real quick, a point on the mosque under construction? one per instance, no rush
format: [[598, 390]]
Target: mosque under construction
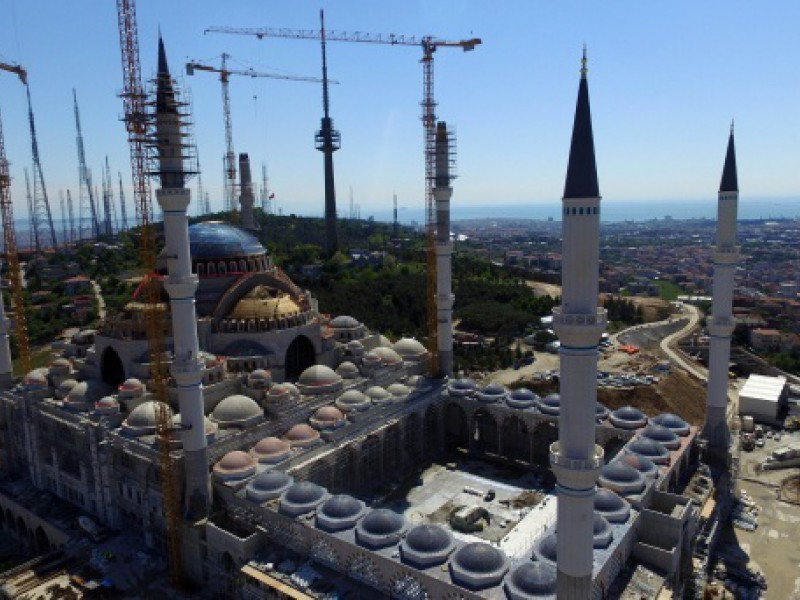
[[313, 441]]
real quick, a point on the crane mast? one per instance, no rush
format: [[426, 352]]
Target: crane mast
[[136, 121], [122, 209], [42, 215], [72, 236], [33, 231], [10, 243], [429, 45], [85, 190]]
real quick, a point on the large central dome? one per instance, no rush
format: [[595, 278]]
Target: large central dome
[[215, 239]]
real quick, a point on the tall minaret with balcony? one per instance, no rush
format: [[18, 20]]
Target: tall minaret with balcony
[[181, 285], [576, 459], [720, 323], [442, 192]]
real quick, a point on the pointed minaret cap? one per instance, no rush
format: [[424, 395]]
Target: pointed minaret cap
[[163, 67], [730, 182], [582, 171]]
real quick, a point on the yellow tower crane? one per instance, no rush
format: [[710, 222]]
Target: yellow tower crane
[[429, 45], [10, 242], [224, 77]]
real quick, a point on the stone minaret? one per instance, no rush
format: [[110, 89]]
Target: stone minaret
[[5, 348], [181, 285], [246, 196], [442, 192], [720, 324], [578, 322]]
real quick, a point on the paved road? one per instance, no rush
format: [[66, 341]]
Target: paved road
[[677, 356]]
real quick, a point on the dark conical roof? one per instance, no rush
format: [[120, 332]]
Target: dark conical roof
[[163, 67], [582, 170], [730, 182]]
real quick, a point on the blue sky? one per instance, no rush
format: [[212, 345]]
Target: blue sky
[[665, 80]]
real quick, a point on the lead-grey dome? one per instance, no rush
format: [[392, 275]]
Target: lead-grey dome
[[628, 417], [672, 422], [551, 404], [547, 548], [619, 472], [302, 497], [607, 501], [522, 398], [267, 485], [531, 579], [479, 557], [215, 239], [427, 545], [601, 531], [600, 412], [236, 410], [353, 401], [380, 528], [650, 448], [344, 322], [666, 437], [641, 463], [341, 506]]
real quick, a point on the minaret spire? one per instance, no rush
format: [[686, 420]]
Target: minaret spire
[[729, 182], [578, 322]]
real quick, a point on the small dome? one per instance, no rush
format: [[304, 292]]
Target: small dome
[[271, 450], [522, 398], [491, 393], [268, 485], [383, 521], [301, 435], [281, 392], [235, 465], [618, 471], [601, 531], [78, 391], [648, 447], [551, 405], [666, 437], [531, 579], [347, 370], [672, 422], [319, 379], [260, 375], [378, 395], [600, 412], [607, 501], [60, 367], [236, 410], [628, 417], [552, 400], [428, 538], [107, 405], [398, 390], [341, 506], [353, 401], [344, 322], [388, 356], [65, 387], [409, 349], [327, 417], [131, 384], [354, 345], [547, 548], [143, 417], [37, 378], [463, 384], [479, 557], [371, 359], [641, 463], [302, 497]]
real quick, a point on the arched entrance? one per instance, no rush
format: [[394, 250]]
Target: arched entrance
[[111, 369], [299, 356], [456, 432], [485, 433], [516, 444]]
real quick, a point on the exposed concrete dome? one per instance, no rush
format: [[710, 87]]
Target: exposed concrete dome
[[339, 512], [64, 388], [235, 465], [461, 387], [319, 379], [327, 417], [237, 411], [611, 506], [353, 401], [301, 498], [259, 378], [427, 545], [494, 392], [354, 345], [347, 370], [344, 322], [672, 422], [600, 412], [410, 349], [628, 417], [478, 565], [649, 448], [130, 388], [601, 531], [37, 378], [271, 450], [388, 357], [531, 579], [666, 437], [622, 478], [378, 395], [60, 367], [281, 392], [142, 419], [398, 391], [107, 405], [551, 405], [380, 528], [547, 548], [301, 435], [522, 398], [268, 485], [641, 463], [371, 359]]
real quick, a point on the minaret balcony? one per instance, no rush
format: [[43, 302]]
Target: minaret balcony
[[186, 370], [181, 287], [576, 473], [579, 330]]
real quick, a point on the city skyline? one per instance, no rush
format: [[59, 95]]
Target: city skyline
[[662, 100]]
